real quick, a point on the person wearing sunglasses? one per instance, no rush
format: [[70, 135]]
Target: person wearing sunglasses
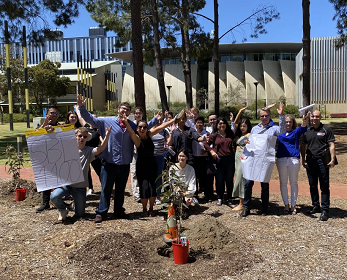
[[267, 127], [78, 190], [146, 164]]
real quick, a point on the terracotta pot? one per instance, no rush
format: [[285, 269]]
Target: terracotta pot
[[19, 194], [180, 252]]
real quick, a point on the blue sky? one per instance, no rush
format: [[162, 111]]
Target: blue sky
[[287, 29]]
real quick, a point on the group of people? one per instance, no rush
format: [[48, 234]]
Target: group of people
[[201, 155]]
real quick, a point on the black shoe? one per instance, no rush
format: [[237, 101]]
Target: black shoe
[[120, 215], [245, 212], [42, 207], [314, 210], [324, 216]]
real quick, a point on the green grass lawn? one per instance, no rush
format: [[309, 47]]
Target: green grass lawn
[[8, 137]]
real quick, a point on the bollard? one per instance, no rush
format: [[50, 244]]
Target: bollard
[[19, 145]]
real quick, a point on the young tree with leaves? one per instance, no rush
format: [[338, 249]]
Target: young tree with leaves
[[45, 84]]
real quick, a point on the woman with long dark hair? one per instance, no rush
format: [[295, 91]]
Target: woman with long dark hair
[[146, 165], [72, 118], [220, 146], [242, 133]]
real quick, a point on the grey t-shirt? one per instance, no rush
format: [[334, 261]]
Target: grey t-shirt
[[87, 155]]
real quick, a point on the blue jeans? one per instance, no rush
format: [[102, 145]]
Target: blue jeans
[[225, 176], [79, 197], [160, 165], [112, 174], [265, 193], [316, 170]]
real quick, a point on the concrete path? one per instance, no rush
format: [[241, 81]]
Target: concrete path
[[336, 190]]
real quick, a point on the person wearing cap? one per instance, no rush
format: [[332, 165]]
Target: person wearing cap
[[78, 190]]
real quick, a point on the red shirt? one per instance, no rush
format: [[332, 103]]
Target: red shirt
[[222, 145]]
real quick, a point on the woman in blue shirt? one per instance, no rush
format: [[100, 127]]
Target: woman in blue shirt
[[288, 160]]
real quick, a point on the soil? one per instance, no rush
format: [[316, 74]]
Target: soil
[[222, 245]]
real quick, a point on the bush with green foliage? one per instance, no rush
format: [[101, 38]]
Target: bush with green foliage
[[18, 117]]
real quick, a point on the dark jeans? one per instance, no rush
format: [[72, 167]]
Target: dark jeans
[[96, 163], [200, 167], [316, 170], [225, 176], [117, 175], [264, 195], [46, 196], [208, 191]]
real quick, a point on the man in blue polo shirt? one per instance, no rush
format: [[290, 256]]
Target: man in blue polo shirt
[[116, 158]]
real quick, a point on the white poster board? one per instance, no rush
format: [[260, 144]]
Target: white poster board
[[259, 158], [55, 159]]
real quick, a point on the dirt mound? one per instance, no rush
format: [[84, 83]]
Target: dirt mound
[[209, 234], [110, 255], [32, 198]]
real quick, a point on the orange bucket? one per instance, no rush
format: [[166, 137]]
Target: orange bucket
[[180, 253], [19, 194]]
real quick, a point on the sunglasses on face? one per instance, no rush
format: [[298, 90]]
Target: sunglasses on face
[[54, 113], [264, 116], [80, 136], [142, 127]]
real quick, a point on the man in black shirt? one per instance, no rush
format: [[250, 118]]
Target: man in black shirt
[[318, 144]]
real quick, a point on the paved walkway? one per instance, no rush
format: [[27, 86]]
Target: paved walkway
[[336, 190]]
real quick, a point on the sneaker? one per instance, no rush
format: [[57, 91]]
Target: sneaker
[[219, 202], [90, 192], [62, 215], [98, 219], [42, 207], [157, 201]]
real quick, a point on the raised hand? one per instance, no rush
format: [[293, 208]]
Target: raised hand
[[159, 116], [108, 131], [280, 109], [80, 101]]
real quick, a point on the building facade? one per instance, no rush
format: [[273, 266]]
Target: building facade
[[328, 77]]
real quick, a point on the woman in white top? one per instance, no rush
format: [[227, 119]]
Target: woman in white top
[[187, 174]]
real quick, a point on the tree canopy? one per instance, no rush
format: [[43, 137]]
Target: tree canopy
[[341, 18], [34, 15], [45, 84]]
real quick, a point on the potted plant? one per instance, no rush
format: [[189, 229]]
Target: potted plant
[[174, 192], [15, 163]]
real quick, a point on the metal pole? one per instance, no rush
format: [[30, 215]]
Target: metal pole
[[26, 85], [9, 88], [168, 94], [256, 99], [19, 145]]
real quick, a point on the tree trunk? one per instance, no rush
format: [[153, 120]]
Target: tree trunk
[[158, 59], [216, 58], [136, 40], [185, 56], [306, 43]]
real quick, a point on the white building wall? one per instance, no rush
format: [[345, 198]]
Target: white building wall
[[274, 87], [173, 76]]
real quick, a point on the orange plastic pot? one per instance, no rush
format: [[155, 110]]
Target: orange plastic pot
[[180, 252], [19, 194]]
